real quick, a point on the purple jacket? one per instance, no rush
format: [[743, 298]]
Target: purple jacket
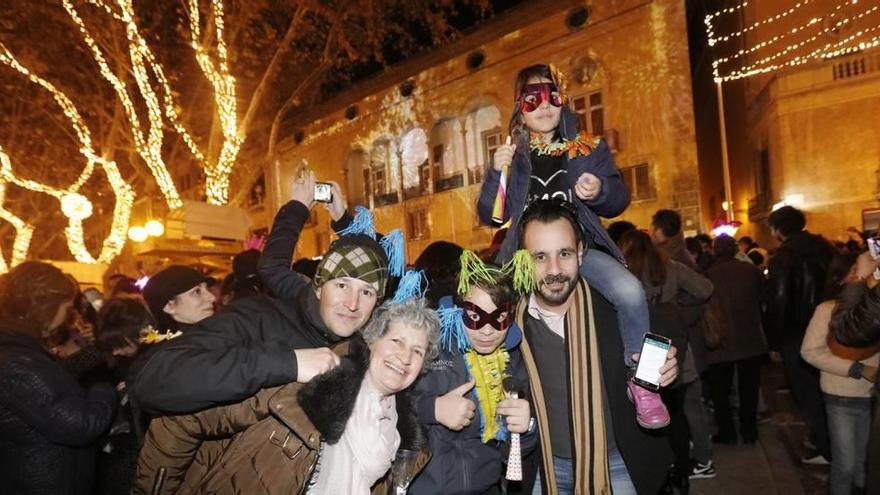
[[612, 200]]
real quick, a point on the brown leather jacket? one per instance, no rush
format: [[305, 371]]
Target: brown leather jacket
[[268, 443]]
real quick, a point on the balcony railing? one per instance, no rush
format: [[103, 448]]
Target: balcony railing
[[452, 182]]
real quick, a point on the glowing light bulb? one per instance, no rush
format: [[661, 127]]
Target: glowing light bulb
[[154, 228], [137, 233]]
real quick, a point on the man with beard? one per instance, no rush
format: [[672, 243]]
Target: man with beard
[[590, 441]]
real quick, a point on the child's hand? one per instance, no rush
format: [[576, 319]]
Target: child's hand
[[588, 187], [516, 413], [503, 155], [453, 410]]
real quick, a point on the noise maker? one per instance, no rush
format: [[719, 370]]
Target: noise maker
[[514, 460], [498, 207]]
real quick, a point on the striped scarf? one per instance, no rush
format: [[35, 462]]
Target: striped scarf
[[590, 458]]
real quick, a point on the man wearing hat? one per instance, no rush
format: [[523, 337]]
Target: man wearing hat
[[264, 341], [178, 297]]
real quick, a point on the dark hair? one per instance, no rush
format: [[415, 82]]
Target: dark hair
[[756, 257], [548, 211], [748, 241], [306, 266], [787, 220], [124, 285], [642, 258], [856, 318], [724, 247], [618, 228], [522, 77], [838, 269], [440, 263], [668, 221], [500, 290], [120, 322], [32, 293], [703, 239], [693, 246]]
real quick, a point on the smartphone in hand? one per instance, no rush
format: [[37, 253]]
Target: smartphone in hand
[[653, 356]]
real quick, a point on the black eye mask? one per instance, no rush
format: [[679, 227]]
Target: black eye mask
[[483, 318]]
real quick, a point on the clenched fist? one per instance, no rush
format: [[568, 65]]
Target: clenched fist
[[453, 410], [312, 362], [503, 155]]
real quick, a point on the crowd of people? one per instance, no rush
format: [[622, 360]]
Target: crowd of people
[[511, 370]]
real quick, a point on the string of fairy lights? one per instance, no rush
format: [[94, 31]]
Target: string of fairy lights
[[74, 205], [809, 49], [161, 112]]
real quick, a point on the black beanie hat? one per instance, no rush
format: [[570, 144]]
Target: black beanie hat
[[167, 284]]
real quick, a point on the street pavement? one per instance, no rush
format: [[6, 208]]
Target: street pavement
[[772, 464]]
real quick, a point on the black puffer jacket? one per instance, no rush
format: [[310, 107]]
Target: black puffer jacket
[[248, 345], [48, 423], [797, 273]]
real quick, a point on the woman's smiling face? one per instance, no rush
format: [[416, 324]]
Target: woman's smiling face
[[396, 359]]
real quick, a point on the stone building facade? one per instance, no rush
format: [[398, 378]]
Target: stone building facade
[[413, 143]]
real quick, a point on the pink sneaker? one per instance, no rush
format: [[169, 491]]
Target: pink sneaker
[[651, 413]]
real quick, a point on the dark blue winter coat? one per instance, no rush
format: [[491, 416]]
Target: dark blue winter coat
[[612, 200], [460, 462], [49, 424]]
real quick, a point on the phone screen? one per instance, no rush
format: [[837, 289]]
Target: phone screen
[[651, 359]]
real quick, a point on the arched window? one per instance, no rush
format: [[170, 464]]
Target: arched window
[[483, 137], [414, 161]]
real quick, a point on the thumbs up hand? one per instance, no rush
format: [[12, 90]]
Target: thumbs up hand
[[453, 410]]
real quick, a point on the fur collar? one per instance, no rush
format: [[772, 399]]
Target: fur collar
[[328, 400]]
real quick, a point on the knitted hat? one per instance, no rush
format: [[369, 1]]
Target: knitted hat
[[167, 284], [357, 256]]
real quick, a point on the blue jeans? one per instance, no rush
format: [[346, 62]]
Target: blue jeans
[[849, 424], [625, 292], [621, 484]]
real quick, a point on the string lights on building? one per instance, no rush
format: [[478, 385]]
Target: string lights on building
[[827, 24]]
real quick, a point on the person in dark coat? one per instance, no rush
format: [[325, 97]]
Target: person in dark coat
[[262, 341], [49, 424], [738, 287], [797, 276], [588, 436]]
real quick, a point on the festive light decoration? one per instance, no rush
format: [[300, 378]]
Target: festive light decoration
[[138, 233], [791, 55], [154, 228], [143, 64], [23, 232], [76, 206], [709, 29]]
